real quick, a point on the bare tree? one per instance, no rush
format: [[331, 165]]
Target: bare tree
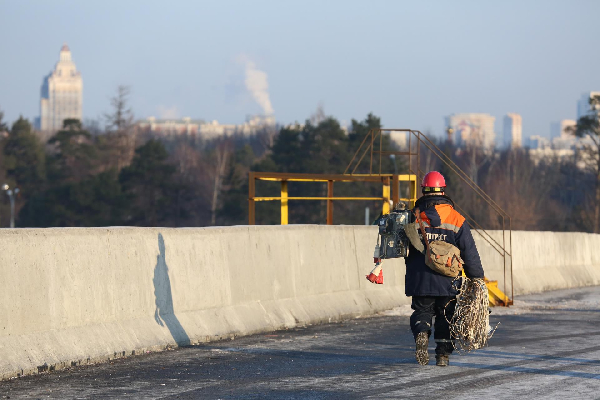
[[3, 126], [523, 189], [588, 127], [121, 118], [187, 159], [190, 170], [478, 157], [265, 138], [218, 169], [319, 115], [120, 128]]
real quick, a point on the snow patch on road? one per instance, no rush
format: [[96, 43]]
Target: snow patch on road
[[401, 311]]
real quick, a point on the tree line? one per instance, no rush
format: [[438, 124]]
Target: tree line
[[85, 177]]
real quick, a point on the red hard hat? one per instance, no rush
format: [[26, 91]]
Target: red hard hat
[[433, 179]]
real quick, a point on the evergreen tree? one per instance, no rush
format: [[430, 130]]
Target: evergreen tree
[[149, 187], [234, 209], [95, 201], [73, 154], [24, 158]]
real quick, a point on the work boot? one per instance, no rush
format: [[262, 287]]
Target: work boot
[[442, 360], [421, 353]]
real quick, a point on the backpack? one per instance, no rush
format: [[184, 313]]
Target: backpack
[[442, 257]]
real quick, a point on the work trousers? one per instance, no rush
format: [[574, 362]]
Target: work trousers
[[425, 309]]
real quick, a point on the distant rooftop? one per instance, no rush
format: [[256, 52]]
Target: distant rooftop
[[172, 120], [65, 47]]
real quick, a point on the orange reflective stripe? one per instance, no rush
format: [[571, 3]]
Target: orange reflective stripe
[[425, 219], [444, 211], [450, 218], [449, 215]]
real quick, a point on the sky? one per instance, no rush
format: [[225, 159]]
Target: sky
[[409, 62]]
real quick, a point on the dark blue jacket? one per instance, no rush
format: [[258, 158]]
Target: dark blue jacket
[[442, 222]]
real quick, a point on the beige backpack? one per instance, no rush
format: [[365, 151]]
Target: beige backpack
[[440, 256]]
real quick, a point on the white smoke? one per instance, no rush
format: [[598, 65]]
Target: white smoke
[[165, 112], [257, 84]]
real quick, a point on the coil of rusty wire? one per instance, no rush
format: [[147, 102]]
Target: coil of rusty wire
[[469, 325]]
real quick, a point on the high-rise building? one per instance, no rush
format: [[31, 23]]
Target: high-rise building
[[473, 129], [560, 129], [583, 105], [61, 94], [513, 131], [561, 134]]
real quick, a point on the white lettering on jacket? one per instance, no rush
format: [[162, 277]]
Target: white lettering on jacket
[[436, 236]]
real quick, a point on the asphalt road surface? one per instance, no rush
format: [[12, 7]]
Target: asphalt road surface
[[547, 346]]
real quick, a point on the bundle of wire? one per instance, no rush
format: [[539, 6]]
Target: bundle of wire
[[469, 325]]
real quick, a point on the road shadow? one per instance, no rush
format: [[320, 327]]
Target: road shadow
[[164, 313]]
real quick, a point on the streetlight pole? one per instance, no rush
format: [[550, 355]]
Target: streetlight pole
[[11, 196]]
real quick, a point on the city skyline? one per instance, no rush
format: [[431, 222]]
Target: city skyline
[[61, 98], [441, 59]]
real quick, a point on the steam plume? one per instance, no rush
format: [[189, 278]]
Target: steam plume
[[165, 112], [257, 84]]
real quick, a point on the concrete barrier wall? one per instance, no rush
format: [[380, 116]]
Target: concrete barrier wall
[[85, 295], [544, 260], [73, 296]]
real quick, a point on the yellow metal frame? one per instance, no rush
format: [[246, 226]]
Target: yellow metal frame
[[390, 190], [497, 296]]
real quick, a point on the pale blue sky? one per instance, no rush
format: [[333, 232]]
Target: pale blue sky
[[410, 62]]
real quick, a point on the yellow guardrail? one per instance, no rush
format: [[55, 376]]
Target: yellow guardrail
[[390, 190]]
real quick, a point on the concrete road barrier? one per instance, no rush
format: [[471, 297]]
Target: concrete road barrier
[[72, 296], [543, 261]]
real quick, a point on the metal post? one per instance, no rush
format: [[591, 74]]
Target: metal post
[[410, 135], [329, 203], [504, 253], [512, 292], [380, 148], [371, 162], [418, 155], [11, 196], [396, 189], [251, 202], [367, 217], [413, 191], [386, 195], [284, 203]]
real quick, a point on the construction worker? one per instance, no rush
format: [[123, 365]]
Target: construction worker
[[433, 294]]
